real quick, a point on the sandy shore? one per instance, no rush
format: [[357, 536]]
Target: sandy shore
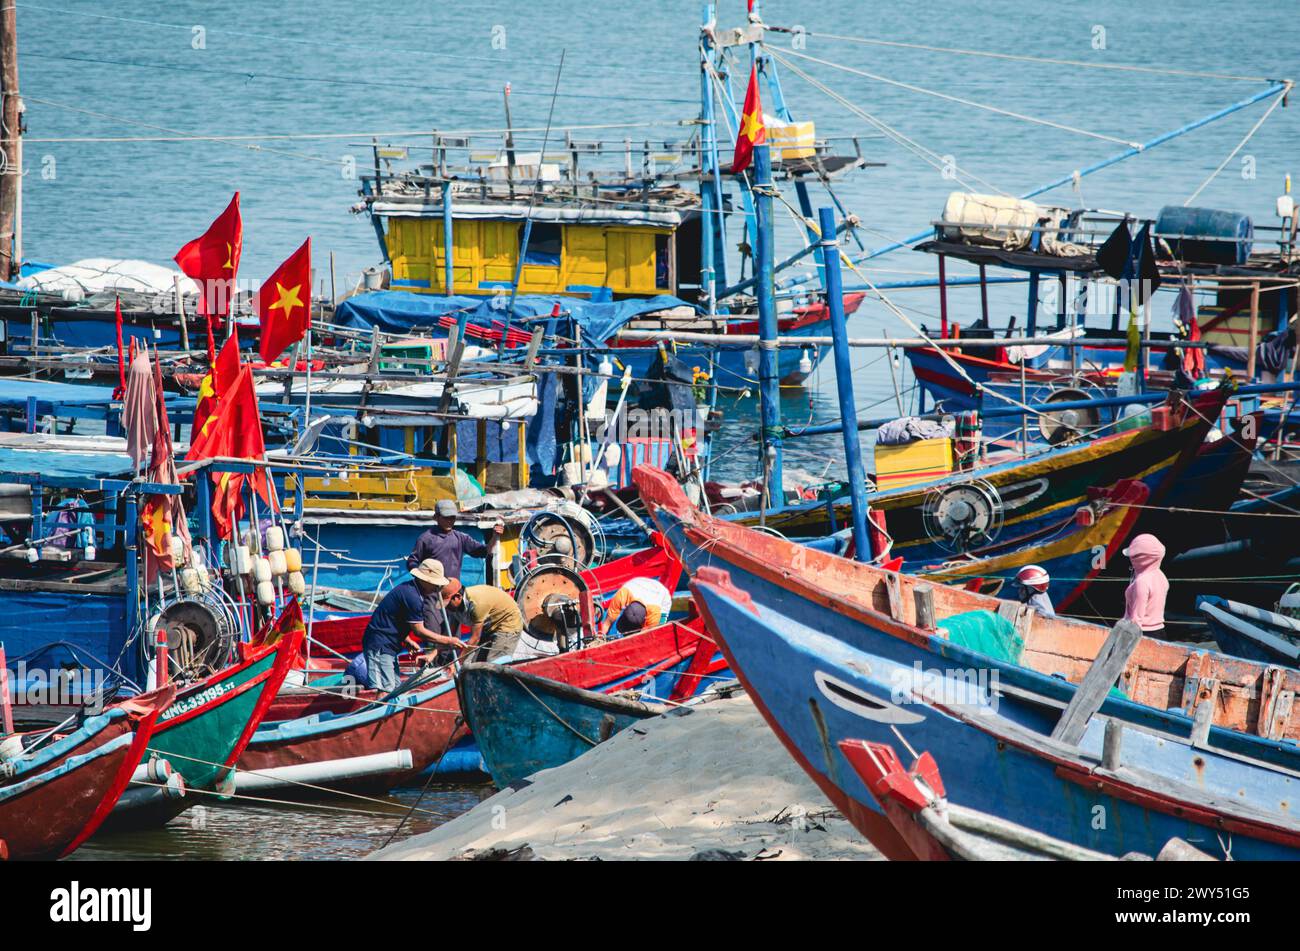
[[713, 781]]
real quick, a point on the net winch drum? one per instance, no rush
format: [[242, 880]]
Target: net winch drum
[[1062, 426], [200, 637], [963, 516], [566, 534], [557, 602]]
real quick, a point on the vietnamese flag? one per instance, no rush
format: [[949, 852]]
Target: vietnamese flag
[[220, 378], [212, 259], [752, 131], [236, 432], [284, 304]]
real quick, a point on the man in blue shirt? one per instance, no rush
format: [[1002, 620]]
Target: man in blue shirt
[[399, 614], [446, 543]]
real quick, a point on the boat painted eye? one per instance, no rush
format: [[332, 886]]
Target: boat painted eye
[[1022, 493], [860, 703]]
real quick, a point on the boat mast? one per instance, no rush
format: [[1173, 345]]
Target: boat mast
[[11, 175]]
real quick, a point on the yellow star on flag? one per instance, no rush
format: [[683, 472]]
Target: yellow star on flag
[[287, 298], [753, 126]]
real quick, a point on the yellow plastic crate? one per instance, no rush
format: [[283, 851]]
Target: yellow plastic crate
[[920, 461], [792, 140]]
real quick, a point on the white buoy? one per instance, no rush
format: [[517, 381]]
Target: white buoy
[[241, 560], [276, 560], [274, 538], [252, 540], [297, 583], [805, 364], [190, 581], [261, 569], [265, 593]]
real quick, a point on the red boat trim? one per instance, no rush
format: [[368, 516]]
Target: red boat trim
[[160, 699], [876, 827]]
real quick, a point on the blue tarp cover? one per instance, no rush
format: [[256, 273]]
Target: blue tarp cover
[[56, 462], [399, 311]]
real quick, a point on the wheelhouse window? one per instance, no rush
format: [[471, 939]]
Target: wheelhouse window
[[545, 244]]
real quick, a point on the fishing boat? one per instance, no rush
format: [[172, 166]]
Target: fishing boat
[[55, 793], [376, 742], [842, 650], [525, 721], [1244, 630], [935, 830], [1073, 552], [1151, 781], [1007, 490], [203, 732]]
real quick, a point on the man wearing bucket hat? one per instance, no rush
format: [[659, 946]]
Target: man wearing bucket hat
[[398, 615]]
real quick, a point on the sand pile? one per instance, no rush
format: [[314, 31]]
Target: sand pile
[[713, 783]]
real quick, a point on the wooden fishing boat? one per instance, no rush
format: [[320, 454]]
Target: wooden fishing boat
[[1018, 755], [1244, 630], [523, 721], [376, 743], [1026, 493], [935, 830], [811, 626], [54, 797], [1074, 551], [206, 728]]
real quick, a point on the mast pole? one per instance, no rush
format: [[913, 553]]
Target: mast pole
[[768, 373], [11, 171], [844, 385]]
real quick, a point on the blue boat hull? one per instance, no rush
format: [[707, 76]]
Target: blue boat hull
[[836, 679]]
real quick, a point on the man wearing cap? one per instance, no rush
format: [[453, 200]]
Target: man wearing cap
[[447, 543], [641, 603], [398, 615], [495, 621]]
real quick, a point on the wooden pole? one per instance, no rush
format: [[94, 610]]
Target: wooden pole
[[1254, 331], [11, 181]]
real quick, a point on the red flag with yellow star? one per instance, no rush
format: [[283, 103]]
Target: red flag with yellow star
[[284, 303], [236, 432], [212, 259], [752, 131], [221, 376]]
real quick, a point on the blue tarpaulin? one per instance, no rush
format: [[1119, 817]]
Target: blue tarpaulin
[[401, 311]]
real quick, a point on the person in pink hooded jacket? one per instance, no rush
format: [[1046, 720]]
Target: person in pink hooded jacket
[[1144, 599]]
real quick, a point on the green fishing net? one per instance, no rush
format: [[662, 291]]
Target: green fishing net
[[987, 633]]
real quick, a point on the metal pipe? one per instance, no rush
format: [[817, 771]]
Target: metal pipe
[[844, 388], [964, 343]]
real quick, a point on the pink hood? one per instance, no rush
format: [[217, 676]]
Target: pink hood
[[1144, 599], [1145, 552]]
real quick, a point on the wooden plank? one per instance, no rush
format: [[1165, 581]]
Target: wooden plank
[[894, 589], [1112, 744], [1270, 687], [923, 595], [1091, 693], [1203, 719]]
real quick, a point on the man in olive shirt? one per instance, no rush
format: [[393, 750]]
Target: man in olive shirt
[[495, 621]]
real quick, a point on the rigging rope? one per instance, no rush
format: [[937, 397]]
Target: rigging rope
[[964, 102]]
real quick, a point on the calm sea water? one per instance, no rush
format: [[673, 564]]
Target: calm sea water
[[309, 84], [334, 828]]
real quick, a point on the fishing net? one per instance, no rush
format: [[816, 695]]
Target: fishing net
[[986, 633]]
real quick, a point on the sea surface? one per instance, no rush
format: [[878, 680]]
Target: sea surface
[[143, 118]]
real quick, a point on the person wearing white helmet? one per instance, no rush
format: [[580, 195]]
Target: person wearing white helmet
[[1034, 581]]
